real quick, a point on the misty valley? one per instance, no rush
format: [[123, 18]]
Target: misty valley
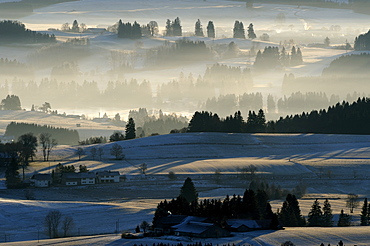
[[187, 122]]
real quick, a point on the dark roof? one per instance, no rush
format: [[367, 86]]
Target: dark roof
[[193, 227], [172, 219], [79, 175], [108, 173], [236, 223], [42, 176]]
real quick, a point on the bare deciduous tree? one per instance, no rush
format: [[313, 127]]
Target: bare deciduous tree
[[117, 151], [352, 202], [80, 151], [52, 222], [67, 225]]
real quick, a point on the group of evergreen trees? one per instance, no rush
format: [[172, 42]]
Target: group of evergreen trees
[[62, 135], [239, 31], [11, 102], [208, 122], [318, 217], [15, 31], [128, 30], [173, 28], [251, 206], [343, 118], [271, 57]]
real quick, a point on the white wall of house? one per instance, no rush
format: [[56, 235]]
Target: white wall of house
[[88, 181]]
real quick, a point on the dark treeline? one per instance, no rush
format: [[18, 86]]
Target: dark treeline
[[183, 51], [14, 31], [343, 118], [62, 135]]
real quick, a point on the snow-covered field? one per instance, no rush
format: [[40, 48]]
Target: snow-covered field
[[286, 159]]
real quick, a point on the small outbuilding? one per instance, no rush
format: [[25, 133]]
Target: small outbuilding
[[196, 227], [240, 225]]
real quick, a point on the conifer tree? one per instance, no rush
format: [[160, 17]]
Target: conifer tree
[[365, 214], [188, 191], [176, 27], [75, 27], [130, 129], [315, 215], [249, 205], [290, 213], [211, 30], [327, 218], [344, 219], [251, 34], [169, 31], [198, 29]]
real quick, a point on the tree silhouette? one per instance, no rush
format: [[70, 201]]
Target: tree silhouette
[[188, 191]]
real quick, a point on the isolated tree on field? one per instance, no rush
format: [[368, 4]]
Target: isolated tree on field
[[28, 144], [352, 202], [327, 217], [130, 129], [83, 27], [290, 213], [365, 214], [153, 28], [94, 152], [315, 214], [52, 223], [344, 219], [198, 29], [188, 191], [75, 27], [143, 167], [47, 144], [80, 151], [169, 31], [117, 151], [251, 33], [67, 225], [45, 107], [12, 178], [65, 27], [211, 30], [100, 153], [176, 27]]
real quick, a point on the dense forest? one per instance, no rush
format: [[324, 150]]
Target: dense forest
[[16, 32], [62, 135], [342, 118]]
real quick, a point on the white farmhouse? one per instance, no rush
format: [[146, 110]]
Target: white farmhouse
[[108, 176], [41, 180]]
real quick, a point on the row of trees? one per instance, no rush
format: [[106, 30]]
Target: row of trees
[[348, 119], [62, 135], [239, 32], [208, 122]]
